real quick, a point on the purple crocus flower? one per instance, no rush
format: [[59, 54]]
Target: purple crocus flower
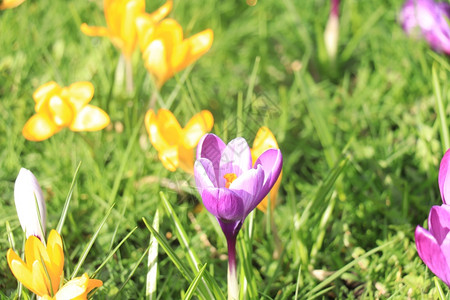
[[433, 245], [428, 19], [231, 187], [444, 177]]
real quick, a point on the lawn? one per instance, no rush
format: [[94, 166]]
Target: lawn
[[361, 139]]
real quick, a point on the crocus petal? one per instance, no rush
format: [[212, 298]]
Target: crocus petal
[[439, 222], [38, 128], [271, 162], [169, 158], [79, 94], [236, 158], [30, 204], [198, 45], [56, 254], [273, 194], [429, 19], [23, 273], [128, 30], [161, 12], [211, 147], [444, 183], [94, 30], [264, 140], [78, 288], [205, 177], [10, 4], [61, 112], [186, 159], [431, 254], [223, 203], [197, 126], [247, 186], [90, 118]]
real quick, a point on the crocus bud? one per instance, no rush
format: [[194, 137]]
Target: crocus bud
[[331, 34], [30, 204]]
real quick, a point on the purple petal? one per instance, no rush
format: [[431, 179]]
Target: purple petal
[[236, 158], [429, 19], [439, 222], [211, 147], [431, 254], [248, 186], [271, 161], [204, 174], [223, 203], [444, 184]]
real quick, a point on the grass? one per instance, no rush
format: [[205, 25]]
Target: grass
[[361, 141]]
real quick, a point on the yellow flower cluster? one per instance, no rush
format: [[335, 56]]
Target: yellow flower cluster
[[42, 270], [164, 49]]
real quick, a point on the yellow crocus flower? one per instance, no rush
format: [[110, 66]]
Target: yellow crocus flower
[[76, 289], [265, 140], [120, 18], [5, 4], [58, 107], [165, 51], [175, 145], [42, 270]]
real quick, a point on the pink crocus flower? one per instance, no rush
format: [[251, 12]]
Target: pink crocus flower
[[433, 245], [427, 19], [231, 187]]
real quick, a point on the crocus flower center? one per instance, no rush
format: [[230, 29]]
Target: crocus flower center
[[229, 177]]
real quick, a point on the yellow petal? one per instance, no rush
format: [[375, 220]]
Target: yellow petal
[[79, 94], [264, 140], [94, 30], [145, 28], [161, 12], [198, 125], [44, 93], [10, 4], [186, 159], [199, 44], [151, 124], [61, 111], [273, 194], [169, 127], [90, 118], [38, 128], [169, 158], [167, 36], [23, 273], [128, 29], [55, 252]]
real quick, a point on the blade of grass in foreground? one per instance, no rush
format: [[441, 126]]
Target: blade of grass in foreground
[[194, 283], [134, 269], [439, 288], [91, 242], [112, 253], [152, 264], [320, 288], [68, 198], [440, 109], [194, 262]]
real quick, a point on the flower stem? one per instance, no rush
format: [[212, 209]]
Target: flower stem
[[129, 75], [233, 287]]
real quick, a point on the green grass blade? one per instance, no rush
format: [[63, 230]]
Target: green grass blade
[[316, 291], [89, 245], [68, 198], [152, 265], [439, 288], [194, 283], [112, 253], [184, 270], [134, 270], [124, 160], [440, 109], [194, 262]]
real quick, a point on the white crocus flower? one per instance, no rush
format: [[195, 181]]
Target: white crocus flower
[[30, 204]]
